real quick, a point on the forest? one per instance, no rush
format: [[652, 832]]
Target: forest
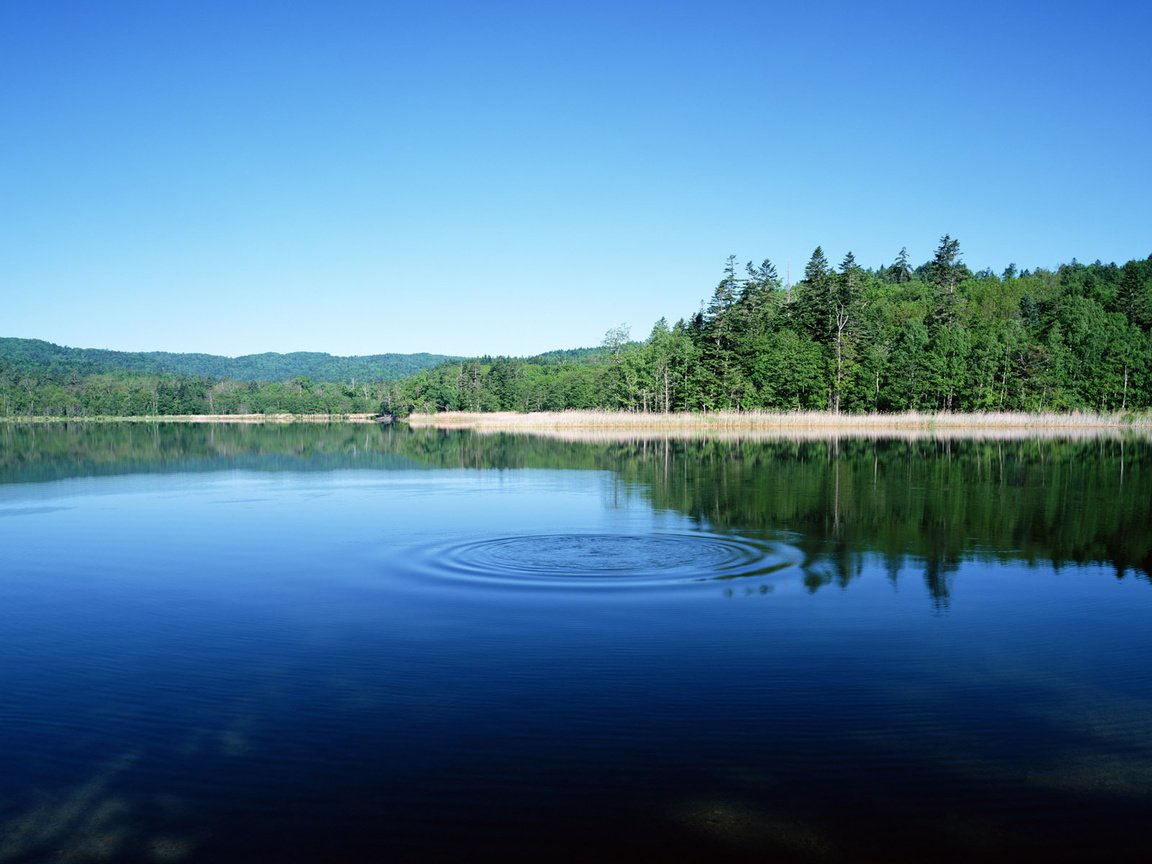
[[38, 378], [935, 337], [250, 367], [844, 339]]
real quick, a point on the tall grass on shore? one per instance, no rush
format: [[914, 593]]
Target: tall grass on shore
[[607, 425]]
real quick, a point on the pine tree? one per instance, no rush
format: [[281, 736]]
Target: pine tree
[[758, 299], [717, 315], [812, 301], [720, 330], [1134, 297], [945, 273], [900, 271], [817, 268]]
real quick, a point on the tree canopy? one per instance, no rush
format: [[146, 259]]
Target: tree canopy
[[853, 339], [936, 337]]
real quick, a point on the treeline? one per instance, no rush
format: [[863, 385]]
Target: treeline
[[41, 379], [34, 392], [40, 384], [60, 360], [935, 337]]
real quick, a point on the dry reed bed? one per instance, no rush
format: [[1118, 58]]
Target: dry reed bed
[[579, 425], [624, 436]]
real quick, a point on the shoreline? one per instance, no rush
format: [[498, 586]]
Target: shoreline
[[251, 419], [623, 427], [506, 421]]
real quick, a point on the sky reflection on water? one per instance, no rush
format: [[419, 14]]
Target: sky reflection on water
[[403, 659]]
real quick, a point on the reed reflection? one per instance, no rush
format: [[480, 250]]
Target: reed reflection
[[924, 503]]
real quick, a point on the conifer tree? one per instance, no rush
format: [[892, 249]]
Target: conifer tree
[[812, 302], [900, 271], [945, 273]]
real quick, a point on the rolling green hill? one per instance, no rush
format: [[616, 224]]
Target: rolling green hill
[[253, 367]]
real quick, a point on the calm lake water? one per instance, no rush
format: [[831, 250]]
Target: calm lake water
[[306, 643]]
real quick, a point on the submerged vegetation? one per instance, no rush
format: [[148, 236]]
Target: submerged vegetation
[[846, 340]]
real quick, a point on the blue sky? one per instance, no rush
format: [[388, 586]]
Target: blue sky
[[503, 177]]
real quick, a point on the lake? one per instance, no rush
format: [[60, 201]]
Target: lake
[[305, 643]]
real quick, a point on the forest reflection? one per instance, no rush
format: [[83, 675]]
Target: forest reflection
[[922, 503]]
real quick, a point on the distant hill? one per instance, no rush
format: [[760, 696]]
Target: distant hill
[[568, 355], [252, 367]]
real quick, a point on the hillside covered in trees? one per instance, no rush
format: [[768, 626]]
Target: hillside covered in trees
[[251, 367], [933, 337], [38, 378]]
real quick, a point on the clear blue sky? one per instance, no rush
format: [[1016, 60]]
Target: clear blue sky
[[462, 177]]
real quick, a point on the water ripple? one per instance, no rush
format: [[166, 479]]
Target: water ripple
[[604, 560]]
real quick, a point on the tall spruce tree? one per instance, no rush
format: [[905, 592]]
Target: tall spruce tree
[[759, 298], [900, 271], [812, 301], [945, 273]]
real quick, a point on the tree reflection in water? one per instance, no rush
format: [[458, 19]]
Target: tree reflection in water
[[924, 503]]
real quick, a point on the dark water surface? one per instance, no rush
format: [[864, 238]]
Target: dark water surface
[[229, 644]]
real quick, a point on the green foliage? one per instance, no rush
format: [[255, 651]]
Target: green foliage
[[253, 367], [931, 338], [900, 271], [28, 391], [41, 379]]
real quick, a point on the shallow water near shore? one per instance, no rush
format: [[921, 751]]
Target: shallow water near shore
[[352, 643]]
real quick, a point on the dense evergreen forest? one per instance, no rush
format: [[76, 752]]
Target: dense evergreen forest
[[933, 337]]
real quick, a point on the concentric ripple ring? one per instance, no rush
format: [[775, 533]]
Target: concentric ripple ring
[[608, 559]]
